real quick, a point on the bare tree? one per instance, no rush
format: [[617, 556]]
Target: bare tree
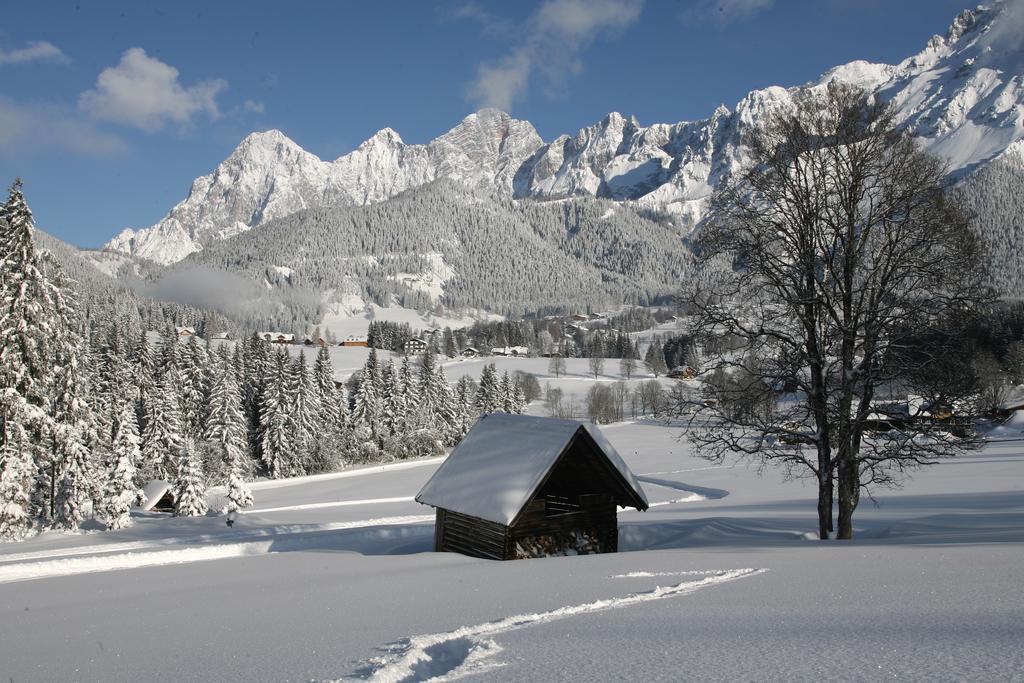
[[601, 408], [596, 364], [553, 402], [556, 365], [627, 366], [826, 257], [994, 384], [652, 397]]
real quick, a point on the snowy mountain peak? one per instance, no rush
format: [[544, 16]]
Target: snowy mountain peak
[[962, 95], [386, 137], [264, 145]]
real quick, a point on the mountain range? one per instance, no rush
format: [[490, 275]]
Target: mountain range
[[962, 95]]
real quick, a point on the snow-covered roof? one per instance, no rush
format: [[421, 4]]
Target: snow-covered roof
[[1015, 401], [154, 491], [496, 470], [510, 351], [287, 336]]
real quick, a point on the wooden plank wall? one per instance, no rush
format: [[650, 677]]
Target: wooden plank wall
[[470, 536]]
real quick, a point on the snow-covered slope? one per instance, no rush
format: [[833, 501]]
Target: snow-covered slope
[[963, 95]]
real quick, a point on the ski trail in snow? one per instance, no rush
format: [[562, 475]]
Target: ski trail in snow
[[452, 654], [333, 504], [690, 469], [69, 561], [265, 484], [646, 575]]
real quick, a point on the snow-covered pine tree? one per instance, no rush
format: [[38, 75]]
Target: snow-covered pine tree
[[445, 411], [226, 430], [465, 413], [194, 363], [518, 395], [77, 475], [239, 495], [121, 491], [17, 475], [654, 359], [429, 396], [26, 366], [162, 437], [449, 343], [327, 405], [508, 394], [274, 432], [366, 402], [408, 386], [302, 415], [392, 401], [190, 483], [257, 362], [488, 395], [225, 426], [144, 372]]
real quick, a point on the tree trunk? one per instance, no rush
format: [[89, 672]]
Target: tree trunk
[[849, 493], [824, 504]]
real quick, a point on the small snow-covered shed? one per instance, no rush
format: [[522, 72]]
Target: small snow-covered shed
[[519, 486], [158, 495]]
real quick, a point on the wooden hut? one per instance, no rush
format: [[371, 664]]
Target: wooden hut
[[520, 486]]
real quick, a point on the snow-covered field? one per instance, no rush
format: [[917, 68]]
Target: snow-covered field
[[325, 570], [333, 577]]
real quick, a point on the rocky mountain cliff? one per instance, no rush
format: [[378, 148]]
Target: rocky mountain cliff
[[963, 95]]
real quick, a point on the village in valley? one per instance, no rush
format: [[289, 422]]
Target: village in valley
[[736, 398]]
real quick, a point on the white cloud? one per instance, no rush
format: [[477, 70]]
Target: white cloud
[[724, 12], [253, 107], [555, 35], [1007, 32], [38, 51], [32, 127], [143, 92]]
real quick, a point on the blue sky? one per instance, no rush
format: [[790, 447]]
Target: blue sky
[[109, 110]]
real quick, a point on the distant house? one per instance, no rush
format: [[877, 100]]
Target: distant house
[[580, 317], [314, 341], [682, 372], [888, 415], [519, 487], [415, 346], [470, 352], [184, 332], [355, 341], [510, 351], [1012, 405], [219, 336], [277, 337]]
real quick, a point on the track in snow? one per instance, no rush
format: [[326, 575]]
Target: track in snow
[[334, 504], [91, 559], [440, 656]]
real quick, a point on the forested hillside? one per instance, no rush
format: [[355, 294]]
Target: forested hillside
[[481, 251], [995, 194]]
